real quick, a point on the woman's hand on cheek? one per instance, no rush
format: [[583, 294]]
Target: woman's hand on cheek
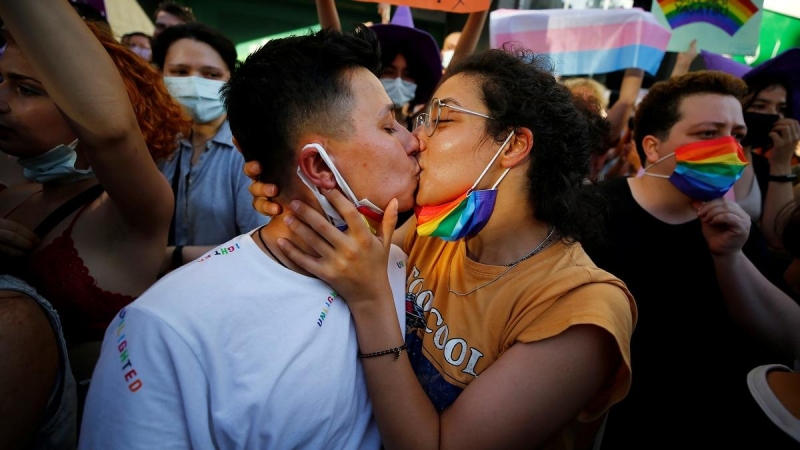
[[353, 262]]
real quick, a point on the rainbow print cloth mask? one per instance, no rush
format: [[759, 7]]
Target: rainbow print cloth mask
[[464, 216], [706, 170], [365, 207]]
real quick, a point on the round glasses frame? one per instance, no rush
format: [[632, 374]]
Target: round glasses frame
[[430, 118]]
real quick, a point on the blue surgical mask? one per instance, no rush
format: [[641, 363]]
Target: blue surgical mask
[[399, 90], [199, 96], [57, 165]]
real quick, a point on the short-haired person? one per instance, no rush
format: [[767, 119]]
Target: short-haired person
[[515, 338], [169, 14], [242, 348], [212, 204], [691, 259]]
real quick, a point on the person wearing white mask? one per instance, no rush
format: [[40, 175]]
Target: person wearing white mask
[[212, 203], [449, 48]]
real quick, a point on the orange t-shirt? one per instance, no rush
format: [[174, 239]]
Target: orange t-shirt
[[539, 298]]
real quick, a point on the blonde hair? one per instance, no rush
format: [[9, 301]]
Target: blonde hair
[[601, 92]]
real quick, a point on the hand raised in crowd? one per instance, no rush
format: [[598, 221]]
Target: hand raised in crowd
[[16, 240], [262, 192], [726, 226], [785, 135]]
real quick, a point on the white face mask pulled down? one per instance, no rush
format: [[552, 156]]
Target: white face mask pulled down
[[367, 209]]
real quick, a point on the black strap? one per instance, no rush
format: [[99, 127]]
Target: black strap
[[63, 211], [176, 178]]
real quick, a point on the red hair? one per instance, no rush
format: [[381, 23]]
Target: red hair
[[161, 119]]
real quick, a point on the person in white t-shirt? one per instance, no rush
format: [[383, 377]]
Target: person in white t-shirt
[[242, 348]]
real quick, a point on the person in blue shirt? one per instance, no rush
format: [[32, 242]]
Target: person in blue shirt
[[212, 203]]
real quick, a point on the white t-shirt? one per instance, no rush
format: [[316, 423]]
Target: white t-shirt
[[234, 351]]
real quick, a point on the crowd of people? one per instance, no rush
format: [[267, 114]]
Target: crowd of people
[[360, 238]]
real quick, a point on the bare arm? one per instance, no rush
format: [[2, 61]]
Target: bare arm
[[29, 353], [470, 35], [785, 136], [619, 113], [755, 303], [684, 60], [83, 81], [758, 305], [328, 15], [526, 396]]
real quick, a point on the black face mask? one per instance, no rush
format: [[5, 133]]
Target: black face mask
[[758, 128]]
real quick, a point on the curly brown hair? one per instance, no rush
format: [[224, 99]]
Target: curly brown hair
[[160, 117], [659, 110]]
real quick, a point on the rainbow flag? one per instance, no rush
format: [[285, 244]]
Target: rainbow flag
[[586, 41], [728, 16]]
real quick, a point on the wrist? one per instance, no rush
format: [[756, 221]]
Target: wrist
[[783, 178]]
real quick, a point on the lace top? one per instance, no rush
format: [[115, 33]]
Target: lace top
[[60, 276]]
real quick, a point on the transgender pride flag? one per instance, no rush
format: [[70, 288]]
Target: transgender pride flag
[[584, 41]]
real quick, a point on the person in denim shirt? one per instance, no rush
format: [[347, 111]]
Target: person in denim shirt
[[212, 203]]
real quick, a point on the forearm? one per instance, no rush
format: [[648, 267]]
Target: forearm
[[73, 66], [328, 15], [619, 113], [779, 194], [393, 387], [758, 305], [470, 35]]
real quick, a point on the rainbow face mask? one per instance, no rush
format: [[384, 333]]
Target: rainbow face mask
[[464, 216], [365, 207], [706, 170]]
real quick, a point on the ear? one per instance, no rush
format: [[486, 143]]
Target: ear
[[315, 169], [650, 147], [518, 148]]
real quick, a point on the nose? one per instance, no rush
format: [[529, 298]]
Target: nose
[[420, 137], [409, 141]]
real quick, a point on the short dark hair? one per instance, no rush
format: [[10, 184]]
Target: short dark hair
[[520, 91], [184, 13], [197, 32], [126, 37], [295, 85], [659, 110]]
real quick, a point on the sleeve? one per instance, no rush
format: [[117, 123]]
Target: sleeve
[[148, 390], [606, 305], [247, 218]]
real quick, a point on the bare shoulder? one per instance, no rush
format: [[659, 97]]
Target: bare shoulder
[[23, 323]]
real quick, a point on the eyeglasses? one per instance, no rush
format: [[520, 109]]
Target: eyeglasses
[[430, 118]]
